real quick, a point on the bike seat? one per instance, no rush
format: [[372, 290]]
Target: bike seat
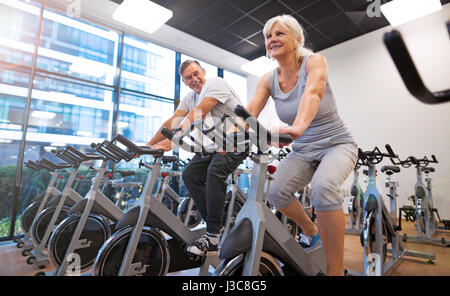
[[390, 169], [167, 159], [427, 170], [126, 173]]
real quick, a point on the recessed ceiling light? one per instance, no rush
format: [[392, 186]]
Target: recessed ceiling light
[[399, 12], [142, 14]]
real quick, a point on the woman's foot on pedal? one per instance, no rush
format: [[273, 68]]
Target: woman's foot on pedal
[[307, 241]]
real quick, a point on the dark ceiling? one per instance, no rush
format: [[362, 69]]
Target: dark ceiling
[[236, 25]]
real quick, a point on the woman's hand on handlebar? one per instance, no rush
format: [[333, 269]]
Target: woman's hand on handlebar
[[284, 130]]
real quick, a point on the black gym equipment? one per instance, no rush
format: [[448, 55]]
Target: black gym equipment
[[408, 71]]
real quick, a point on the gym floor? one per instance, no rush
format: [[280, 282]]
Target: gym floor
[[12, 263]]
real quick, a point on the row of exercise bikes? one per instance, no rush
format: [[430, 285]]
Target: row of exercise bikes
[[93, 234], [422, 212]]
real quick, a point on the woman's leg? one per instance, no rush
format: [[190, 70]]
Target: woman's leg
[[292, 174], [334, 168]]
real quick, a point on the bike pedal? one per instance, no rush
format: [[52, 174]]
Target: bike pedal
[[196, 258]]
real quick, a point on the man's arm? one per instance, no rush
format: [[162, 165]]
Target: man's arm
[[203, 108]]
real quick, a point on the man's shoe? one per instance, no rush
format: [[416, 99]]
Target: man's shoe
[[202, 246]]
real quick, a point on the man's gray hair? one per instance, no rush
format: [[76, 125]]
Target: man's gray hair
[[185, 64]]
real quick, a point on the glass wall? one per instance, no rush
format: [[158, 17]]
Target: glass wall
[[148, 68], [18, 26], [141, 117], [75, 94]]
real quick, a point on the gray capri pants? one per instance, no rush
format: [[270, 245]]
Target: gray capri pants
[[324, 164]]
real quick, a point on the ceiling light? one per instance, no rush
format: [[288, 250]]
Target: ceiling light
[[142, 14], [43, 115], [398, 12], [259, 66]]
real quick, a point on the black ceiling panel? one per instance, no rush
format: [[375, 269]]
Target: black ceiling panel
[[345, 35], [374, 23], [312, 35], [269, 10], [335, 24], [180, 16], [320, 11], [349, 5], [297, 5], [224, 39], [243, 49], [201, 28], [246, 5], [245, 27], [258, 38], [222, 14], [321, 44], [236, 25]]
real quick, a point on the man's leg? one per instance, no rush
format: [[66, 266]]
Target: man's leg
[[220, 168], [194, 177]]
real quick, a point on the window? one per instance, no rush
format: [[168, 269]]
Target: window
[[72, 47], [18, 26], [148, 68], [141, 117]]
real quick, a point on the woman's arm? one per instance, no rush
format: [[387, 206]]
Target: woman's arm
[[316, 70]]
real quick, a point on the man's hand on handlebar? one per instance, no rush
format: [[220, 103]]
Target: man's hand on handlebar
[[165, 145]]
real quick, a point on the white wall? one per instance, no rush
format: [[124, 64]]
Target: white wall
[[377, 108]]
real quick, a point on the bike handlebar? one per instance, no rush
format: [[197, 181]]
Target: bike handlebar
[[369, 158], [255, 136], [408, 71]]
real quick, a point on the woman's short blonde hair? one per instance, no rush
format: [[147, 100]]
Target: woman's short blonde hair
[[294, 27]]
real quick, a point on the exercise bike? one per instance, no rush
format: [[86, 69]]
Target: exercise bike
[[425, 220], [138, 246], [56, 210], [75, 242], [182, 206], [380, 224], [356, 203], [259, 243], [38, 204]]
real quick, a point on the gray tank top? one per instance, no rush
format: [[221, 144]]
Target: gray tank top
[[327, 123]]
